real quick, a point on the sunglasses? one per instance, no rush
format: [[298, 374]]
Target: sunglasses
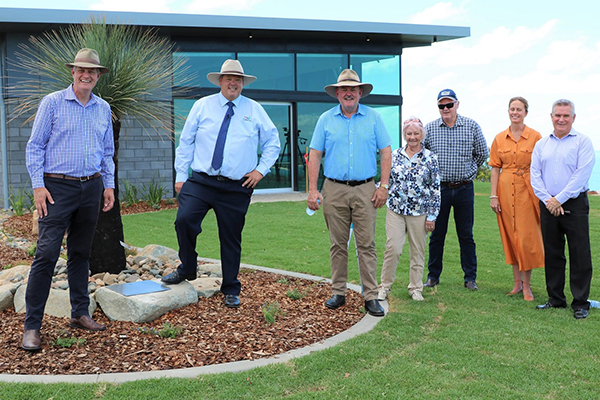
[[413, 119], [448, 106]]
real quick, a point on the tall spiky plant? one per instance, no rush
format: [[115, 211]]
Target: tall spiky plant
[[139, 85]]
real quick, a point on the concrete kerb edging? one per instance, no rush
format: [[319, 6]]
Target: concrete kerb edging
[[366, 324]]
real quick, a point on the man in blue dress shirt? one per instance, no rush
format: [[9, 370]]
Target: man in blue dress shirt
[[70, 147], [347, 138], [561, 166], [219, 143]]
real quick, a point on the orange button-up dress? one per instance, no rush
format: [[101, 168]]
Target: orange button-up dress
[[519, 218]]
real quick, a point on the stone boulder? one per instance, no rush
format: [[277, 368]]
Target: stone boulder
[[58, 304], [19, 271], [207, 287], [212, 268], [7, 294], [144, 307], [161, 253]]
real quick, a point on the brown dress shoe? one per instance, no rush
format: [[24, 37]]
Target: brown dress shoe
[[85, 322], [31, 340]]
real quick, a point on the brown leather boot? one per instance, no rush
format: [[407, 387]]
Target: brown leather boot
[[31, 340]]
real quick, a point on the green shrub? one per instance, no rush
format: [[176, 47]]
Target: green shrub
[[272, 311], [295, 294], [18, 199], [63, 341], [130, 193], [154, 192]]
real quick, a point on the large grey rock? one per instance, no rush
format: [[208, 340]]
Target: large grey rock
[[10, 273], [144, 307], [7, 294], [58, 304], [207, 287], [162, 253], [214, 269]]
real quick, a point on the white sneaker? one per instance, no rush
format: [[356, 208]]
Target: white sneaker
[[417, 296], [382, 294]]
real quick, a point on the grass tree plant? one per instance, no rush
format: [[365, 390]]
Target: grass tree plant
[[138, 87]]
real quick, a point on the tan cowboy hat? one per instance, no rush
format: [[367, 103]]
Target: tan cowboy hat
[[87, 58], [348, 78], [230, 67]]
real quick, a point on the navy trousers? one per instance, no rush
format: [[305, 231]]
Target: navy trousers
[[462, 199], [75, 210], [230, 201], [574, 225]]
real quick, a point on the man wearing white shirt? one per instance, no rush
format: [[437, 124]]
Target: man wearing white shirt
[[219, 142], [561, 166]]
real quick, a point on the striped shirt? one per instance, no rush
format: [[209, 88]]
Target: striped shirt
[[460, 150], [71, 139]]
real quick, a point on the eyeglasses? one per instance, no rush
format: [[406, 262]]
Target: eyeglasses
[[448, 106], [413, 119]]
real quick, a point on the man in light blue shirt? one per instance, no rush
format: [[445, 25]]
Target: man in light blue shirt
[[70, 149], [219, 143], [347, 138], [561, 166]]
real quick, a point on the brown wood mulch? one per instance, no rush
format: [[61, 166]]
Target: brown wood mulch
[[211, 333]]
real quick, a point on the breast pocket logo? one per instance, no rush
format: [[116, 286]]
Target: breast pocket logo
[[247, 119]]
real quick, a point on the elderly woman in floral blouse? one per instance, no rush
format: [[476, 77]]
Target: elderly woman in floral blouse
[[413, 206]]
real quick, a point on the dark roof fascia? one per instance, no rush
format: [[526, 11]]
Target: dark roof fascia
[[408, 35]]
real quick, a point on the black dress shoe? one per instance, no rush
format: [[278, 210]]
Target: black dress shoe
[[548, 305], [336, 301], [431, 282], [471, 285], [31, 340], [231, 301], [580, 314], [374, 308], [175, 277]]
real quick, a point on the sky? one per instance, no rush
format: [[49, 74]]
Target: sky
[[541, 50]]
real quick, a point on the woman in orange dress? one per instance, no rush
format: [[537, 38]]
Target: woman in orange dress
[[512, 198]]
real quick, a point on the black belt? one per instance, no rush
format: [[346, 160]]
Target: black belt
[[73, 178], [351, 183], [454, 185], [220, 178]]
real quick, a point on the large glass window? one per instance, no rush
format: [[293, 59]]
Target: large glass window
[[382, 71], [315, 71], [391, 119], [201, 64], [274, 71]]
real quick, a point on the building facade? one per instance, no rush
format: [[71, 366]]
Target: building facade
[[293, 60]]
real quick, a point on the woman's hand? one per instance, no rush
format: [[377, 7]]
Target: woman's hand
[[495, 204]]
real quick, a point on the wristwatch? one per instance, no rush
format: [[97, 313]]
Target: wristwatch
[[386, 186]]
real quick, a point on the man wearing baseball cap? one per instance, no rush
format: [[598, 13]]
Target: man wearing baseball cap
[[71, 147], [461, 148], [219, 142]]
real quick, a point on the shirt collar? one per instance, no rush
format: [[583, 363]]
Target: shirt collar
[[223, 100], [572, 132], [71, 96], [459, 121], [359, 110]]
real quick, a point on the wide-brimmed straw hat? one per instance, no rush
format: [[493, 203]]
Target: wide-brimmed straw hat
[[87, 58], [230, 67], [348, 78]]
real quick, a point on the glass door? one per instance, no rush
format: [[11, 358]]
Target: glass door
[[282, 173]]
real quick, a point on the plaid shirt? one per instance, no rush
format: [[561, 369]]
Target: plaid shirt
[[460, 149], [71, 139]]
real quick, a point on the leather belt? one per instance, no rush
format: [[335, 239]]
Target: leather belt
[[351, 183], [73, 178], [454, 185], [220, 178]]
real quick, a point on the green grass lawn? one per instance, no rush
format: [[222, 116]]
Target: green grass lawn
[[455, 344]]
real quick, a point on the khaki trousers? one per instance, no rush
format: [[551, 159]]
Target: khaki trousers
[[344, 205], [397, 227]]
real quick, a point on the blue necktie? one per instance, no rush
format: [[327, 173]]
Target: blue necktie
[[217, 160]]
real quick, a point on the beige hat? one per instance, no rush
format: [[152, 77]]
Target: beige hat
[[87, 58], [349, 78], [230, 67]]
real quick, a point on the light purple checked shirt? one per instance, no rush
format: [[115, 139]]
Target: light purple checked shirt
[[561, 168], [71, 139]]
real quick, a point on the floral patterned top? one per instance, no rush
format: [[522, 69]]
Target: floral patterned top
[[415, 184]]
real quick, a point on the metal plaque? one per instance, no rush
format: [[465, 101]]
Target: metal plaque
[[139, 287]]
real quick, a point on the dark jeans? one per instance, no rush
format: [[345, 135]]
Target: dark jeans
[[574, 225], [230, 201], [462, 199], [75, 210]]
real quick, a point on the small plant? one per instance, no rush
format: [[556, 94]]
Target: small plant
[[130, 195], [31, 250], [169, 330], [63, 341], [154, 193], [170, 202], [295, 294], [272, 311], [18, 200], [283, 281]]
